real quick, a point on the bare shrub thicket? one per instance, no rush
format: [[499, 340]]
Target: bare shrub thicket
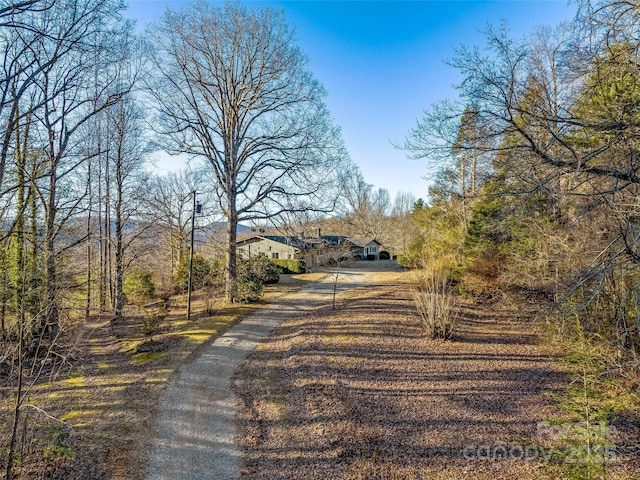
[[435, 301]]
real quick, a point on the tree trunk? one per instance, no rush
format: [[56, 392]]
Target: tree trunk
[[474, 171], [19, 271], [119, 280], [51, 315], [232, 229], [21, 162], [119, 273], [89, 256], [16, 408], [34, 303], [463, 190], [90, 233], [109, 240], [3, 314], [102, 301], [3, 295]]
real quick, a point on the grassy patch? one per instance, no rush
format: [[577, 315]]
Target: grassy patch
[[79, 414], [197, 334], [147, 357], [75, 382]]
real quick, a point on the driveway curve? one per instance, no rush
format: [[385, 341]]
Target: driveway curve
[[195, 426]]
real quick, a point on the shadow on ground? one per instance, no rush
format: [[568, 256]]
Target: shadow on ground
[[361, 393]]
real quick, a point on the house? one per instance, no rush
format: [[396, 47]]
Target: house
[[313, 250], [366, 247], [272, 246]]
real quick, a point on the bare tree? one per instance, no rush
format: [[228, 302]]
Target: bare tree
[[68, 103], [49, 50], [367, 209], [338, 256], [12, 12], [230, 86], [402, 225], [172, 199], [130, 189], [18, 35]]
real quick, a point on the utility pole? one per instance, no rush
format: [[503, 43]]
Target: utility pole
[[193, 227]]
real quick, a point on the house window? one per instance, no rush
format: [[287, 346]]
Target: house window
[[289, 256], [275, 255]]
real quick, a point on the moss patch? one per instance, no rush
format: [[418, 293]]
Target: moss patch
[[146, 357]]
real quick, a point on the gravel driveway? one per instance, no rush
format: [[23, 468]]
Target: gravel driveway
[[195, 428]]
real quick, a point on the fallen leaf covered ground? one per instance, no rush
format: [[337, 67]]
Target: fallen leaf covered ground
[[360, 393]]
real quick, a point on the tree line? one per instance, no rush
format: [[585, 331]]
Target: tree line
[[84, 104], [84, 101], [536, 174]]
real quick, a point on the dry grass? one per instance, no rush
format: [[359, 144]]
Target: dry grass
[[362, 394]]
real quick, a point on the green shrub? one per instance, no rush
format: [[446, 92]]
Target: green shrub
[[371, 257], [55, 442], [138, 285], [384, 255], [263, 269], [252, 274], [152, 318], [200, 273], [292, 265], [249, 289]]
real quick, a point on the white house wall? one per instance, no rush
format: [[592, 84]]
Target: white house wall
[[268, 247]]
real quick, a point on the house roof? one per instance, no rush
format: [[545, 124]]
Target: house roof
[[363, 242], [294, 242], [314, 242], [337, 240]]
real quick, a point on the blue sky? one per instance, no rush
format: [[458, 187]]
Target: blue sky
[[382, 63]]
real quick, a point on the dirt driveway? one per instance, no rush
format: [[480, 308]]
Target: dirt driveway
[[195, 427]]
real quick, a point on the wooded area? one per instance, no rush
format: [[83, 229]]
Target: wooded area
[[537, 172], [86, 228], [534, 193]]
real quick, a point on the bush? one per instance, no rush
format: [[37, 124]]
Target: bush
[[481, 277], [406, 261], [252, 275], [249, 289], [371, 257], [138, 285], [435, 303], [384, 255], [152, 317], [200, 273], [293, 265], [261, 268]]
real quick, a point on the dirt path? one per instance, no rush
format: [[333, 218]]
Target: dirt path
[[362, 394], [195, 428]]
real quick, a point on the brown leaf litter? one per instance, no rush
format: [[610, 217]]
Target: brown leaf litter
[[360, 393]]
